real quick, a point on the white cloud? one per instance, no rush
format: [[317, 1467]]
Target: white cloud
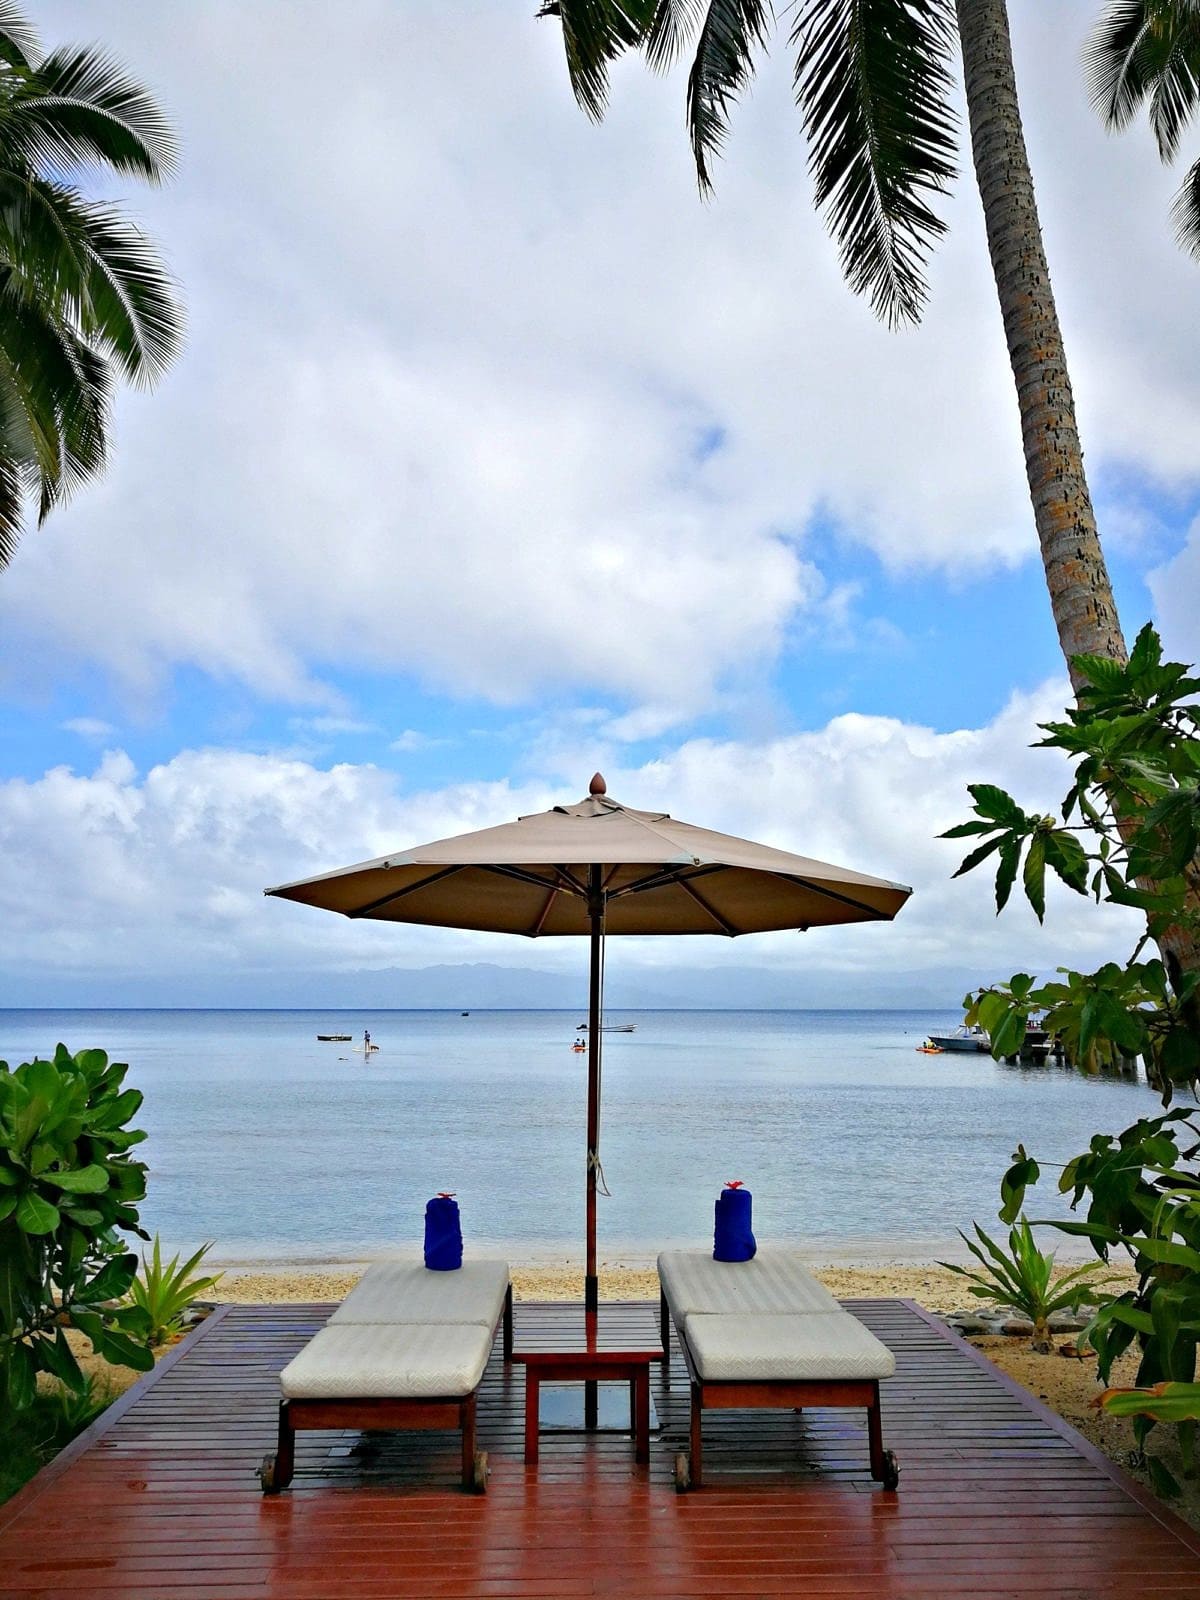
[[456, 366], [164, 871], [412, 740], [331, 725], [93, 729], [1175, 586]]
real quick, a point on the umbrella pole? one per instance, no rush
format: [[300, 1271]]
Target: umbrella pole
[[591, 1284]]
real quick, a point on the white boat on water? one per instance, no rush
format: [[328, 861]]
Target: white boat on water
[[963, 1038]]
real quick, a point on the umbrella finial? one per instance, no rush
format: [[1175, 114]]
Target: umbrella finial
[[597, 785]]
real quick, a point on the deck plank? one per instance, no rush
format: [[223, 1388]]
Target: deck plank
[[999, 1499]]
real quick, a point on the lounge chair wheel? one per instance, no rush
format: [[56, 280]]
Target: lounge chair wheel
[[479, 1476], [891, 1472], [266, 1474], [683, 1472]]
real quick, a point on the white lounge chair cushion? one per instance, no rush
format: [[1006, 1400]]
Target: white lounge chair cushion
[[773, 1281], [405, 1291], [381, 1361], [778, 1347]]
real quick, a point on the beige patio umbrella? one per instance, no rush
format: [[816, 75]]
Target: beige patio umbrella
[[598, 868]]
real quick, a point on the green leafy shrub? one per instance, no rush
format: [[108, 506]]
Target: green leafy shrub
[[69, 1188], [1143, 1198], [1129, 835], [1021, 1279], [164, 1293], [53, 1418]]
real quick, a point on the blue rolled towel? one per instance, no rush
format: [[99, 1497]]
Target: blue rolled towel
[[443, 1234], [732, 1236]]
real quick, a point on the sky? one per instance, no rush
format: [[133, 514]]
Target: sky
[[495, 457]]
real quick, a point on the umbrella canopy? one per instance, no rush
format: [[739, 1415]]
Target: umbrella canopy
[[597, 868]]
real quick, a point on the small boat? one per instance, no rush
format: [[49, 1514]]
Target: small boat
[[611, 1027], [334, 1038], [963, 1038]]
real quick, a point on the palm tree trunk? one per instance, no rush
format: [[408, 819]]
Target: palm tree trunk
[[1081, 596]]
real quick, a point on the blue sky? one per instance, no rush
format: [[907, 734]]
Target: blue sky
[[494, 457]]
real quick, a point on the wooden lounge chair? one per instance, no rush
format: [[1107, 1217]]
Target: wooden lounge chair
[[405, 1349], [766, 1333]]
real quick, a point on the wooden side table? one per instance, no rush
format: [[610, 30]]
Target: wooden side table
[[565, 1344]]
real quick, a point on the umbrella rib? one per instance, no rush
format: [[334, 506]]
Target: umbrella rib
[[566, 881], [725, 927], [400, 894], [655, 880], [832, 894], [545, 911]]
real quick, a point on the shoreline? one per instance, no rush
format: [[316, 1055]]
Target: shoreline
[[932, 1286]]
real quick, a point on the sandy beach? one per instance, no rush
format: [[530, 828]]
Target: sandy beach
[[932, 1286]]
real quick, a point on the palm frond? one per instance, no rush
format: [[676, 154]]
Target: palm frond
[[12, 507], [43, 240], [675, 22], [81, 108], [136, 316], [1146, 52], [1115, 63], [723, 66], [1185, 213], [874, 88], [19, 47], [595, 33]]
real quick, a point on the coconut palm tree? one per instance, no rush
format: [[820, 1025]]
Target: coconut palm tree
[[1147, 52], [84, 298], [873, 83]]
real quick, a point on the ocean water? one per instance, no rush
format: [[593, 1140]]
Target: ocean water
[[855, 1146]]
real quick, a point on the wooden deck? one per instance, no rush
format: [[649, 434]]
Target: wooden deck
[[159, 1501]]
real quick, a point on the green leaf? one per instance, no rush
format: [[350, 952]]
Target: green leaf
[[971, 861], [113, 1279], [995, 803], [21, 1385], [91, 1179], [1023, 1172], [123, 1351], [1006, 872], [964, 830], [35, 1215], [1166, 1252], [1166, 1485], [54, 1356], [1165, 1402], [1067, 857], [1035, 876]]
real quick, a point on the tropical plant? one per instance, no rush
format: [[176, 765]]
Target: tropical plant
[[874, 87], [1147, 53], [1129, 834], [165, 1293], [84, 297], [69, 1188], [1143, 1198], [56, 1416], [1023, 1279]]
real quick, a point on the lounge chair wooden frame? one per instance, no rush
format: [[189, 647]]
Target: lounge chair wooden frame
[[385, 1414], [790, 1394]]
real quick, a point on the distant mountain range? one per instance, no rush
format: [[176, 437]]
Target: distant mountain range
[[483, 986]]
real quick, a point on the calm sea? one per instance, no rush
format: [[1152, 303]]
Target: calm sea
[[855, 1146]]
